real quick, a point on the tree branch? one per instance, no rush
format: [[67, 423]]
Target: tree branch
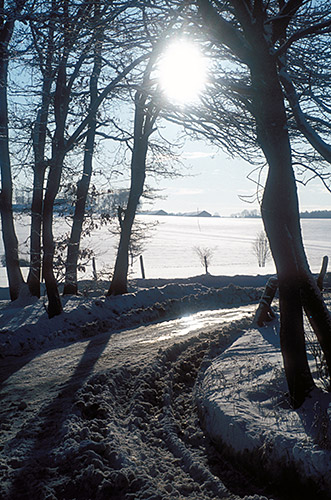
[[223, 31], [74, 136], [281, 22], [309, 133], [317, 29]]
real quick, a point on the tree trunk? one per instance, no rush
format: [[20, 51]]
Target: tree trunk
[[70, 286], [142, 129], [61, 101], [119, 283], [280, 214], [54, 301], [35, 234], [15, 278], [321, 276], [39, 144]]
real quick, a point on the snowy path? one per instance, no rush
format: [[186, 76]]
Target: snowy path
[[113, 417]]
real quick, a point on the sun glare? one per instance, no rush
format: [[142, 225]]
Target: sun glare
[[182, 72]]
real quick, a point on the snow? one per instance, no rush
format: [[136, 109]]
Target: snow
[[100, 402], [243, 403], [25, 327], [169, 251]]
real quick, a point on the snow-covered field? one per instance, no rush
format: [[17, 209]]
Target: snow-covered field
[[169, 250], [88, 413]]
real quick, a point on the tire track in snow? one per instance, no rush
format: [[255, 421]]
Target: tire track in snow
[[120, 422]]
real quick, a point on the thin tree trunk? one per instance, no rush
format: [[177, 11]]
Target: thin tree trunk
[[39, 144], [71, 286], [119, 283], [36, 209], [54, 301], [15, 278], [143, 127], [53, 184]]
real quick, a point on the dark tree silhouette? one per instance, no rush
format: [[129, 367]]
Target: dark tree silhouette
[[8, 17], [266, 44], [145, 115]]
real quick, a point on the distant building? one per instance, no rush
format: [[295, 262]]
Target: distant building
[[160, 212], [203, 214]]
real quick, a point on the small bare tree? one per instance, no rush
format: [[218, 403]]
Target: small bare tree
[[261, 248], [205, 256]]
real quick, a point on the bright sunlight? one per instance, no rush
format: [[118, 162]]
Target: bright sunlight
[[183, 72]]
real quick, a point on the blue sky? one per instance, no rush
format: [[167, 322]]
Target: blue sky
[[215, 182]]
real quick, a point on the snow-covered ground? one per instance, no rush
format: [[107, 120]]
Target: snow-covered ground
[[244, 406], [100, 402], [169, 250]]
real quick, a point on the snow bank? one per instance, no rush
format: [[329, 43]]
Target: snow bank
[[24, 325], [243, 403]]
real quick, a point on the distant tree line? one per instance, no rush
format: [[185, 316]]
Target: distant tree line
[[316, 214]]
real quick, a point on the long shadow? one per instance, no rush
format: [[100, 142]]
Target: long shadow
[[12, 364], [49, 423]]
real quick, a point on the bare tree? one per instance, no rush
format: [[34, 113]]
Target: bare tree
[[8, 16], [70, 286], [146, 113], [205, 255], [261, 248], [273, 96], [44, 51], [76, 27]]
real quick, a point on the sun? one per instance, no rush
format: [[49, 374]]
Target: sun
[[182, 72]]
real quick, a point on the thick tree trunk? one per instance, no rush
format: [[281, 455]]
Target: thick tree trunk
[[254, 44], [280, 214], [15, 278]]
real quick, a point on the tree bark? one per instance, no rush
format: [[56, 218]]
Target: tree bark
[[280, 214], [39, 168], [321, 276], [35, 234], [143, 127], [15, 278], [61, 100], [54, 301], [70, 286]]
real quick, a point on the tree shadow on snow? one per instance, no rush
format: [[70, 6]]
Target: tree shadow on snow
[[46, 427]]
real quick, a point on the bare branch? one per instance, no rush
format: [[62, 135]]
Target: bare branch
[[315, 29], [281, 22], [305, 128], [223, 31]]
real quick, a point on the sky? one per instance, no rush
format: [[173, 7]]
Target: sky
[[211, 180], [214, 182]]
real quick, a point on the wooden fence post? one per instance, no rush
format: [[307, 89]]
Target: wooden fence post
[[264, 312], [94, 269], [142, 267], [322, 273]]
